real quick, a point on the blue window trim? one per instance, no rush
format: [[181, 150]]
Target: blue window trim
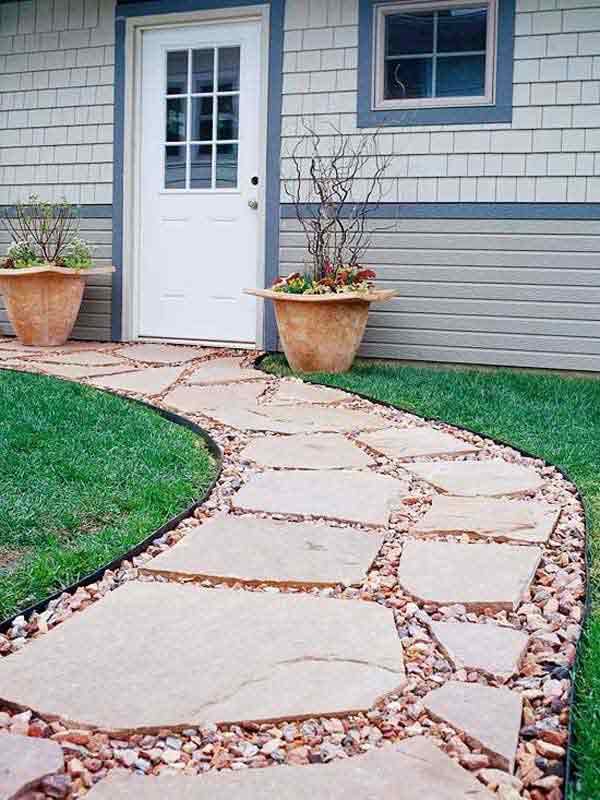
[[139, 8], [501, 111]]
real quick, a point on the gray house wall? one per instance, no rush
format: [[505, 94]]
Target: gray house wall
[[56, 124], [482, 289], [520, 293], [478, 285]]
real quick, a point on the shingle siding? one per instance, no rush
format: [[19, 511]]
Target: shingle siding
[[56, 124], [56, 99], [556, 104]]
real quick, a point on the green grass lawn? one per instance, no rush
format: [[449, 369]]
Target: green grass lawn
[[558, 419], [84, 476]]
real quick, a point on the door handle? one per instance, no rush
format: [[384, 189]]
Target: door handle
[[253, 204]]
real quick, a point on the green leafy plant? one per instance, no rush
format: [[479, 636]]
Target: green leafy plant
[[22, 254], [45, 233], [335, 281], [76, 255]]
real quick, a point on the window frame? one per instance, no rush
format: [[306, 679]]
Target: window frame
[[382, 11], [459, 111], [187, 143]]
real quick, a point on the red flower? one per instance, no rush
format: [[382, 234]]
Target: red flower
[[326, 282], [365, 275]]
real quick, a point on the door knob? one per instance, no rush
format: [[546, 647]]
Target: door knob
[[253, 204]]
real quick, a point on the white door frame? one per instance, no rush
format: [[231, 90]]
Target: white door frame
[[132, 151]]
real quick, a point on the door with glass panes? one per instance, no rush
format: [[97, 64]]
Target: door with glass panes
[[199, 182]]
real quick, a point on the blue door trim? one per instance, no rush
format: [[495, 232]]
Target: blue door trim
[[139, 8], [500, 111]]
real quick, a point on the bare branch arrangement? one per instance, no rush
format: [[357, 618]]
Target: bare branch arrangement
[[323, 191], [50, 227]]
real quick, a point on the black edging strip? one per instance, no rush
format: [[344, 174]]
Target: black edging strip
[[92, 577], [570, 758]]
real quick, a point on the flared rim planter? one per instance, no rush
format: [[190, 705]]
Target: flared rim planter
[[322, 333], [42, 303]]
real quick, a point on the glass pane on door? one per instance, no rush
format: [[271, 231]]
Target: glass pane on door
[[175, 167], [229, 69], [202, 119], [176, 119], [201, 166], [177, 72], [203, 71], [227, 120], [227, 166]]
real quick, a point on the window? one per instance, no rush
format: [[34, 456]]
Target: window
[[435, 61], [435, 54], [202, 119]]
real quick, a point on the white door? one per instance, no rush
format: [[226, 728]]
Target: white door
[[199, 182]]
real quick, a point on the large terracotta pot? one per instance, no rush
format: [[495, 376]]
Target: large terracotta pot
[[42, 303], [321, 333]]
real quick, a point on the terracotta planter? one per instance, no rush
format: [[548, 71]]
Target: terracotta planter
[[42, 303], [321, 333]]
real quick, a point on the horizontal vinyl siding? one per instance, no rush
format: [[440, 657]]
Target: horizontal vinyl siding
[[94, 320], [496, 292]]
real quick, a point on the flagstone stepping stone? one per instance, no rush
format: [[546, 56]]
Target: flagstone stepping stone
[[292, 392], [163, 353], [493, 478], [6, 354], [224, 370], [489, 717], [506, 520], [141, 381], [477, 576], [299, 419], [302, 451], [164, 655], [76, 371], [200, 399], [492, 649], [12, 343], [415, 442], [83, 358], [17, 348], [24, 762], [414, 769], [364, 497], [266, 551]]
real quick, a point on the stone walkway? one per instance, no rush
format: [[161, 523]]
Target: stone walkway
[[389, 606]]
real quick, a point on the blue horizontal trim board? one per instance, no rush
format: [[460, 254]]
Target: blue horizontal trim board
[[91, 211], [420, 211], [140, 8], [581, 211], [500, 111]]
